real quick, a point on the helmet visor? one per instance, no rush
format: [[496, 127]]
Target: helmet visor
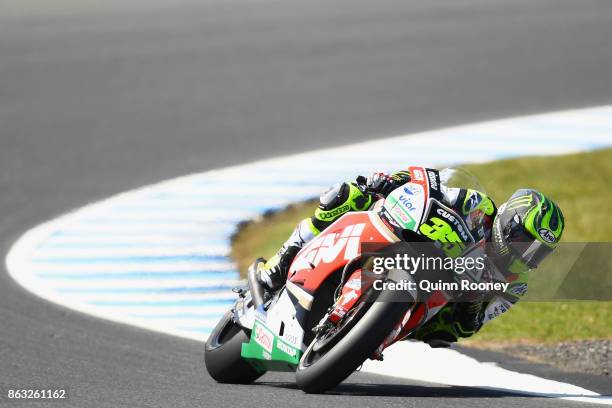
[[535, 253], [524, 246]]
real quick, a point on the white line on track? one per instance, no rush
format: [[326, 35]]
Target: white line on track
[[157, 251], [104, 284], [414, 360], [130, 267], [157, 257]]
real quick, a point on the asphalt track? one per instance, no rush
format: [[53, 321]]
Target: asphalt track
[[100, 97]]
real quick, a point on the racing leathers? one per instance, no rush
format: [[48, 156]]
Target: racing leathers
[[456, 320]]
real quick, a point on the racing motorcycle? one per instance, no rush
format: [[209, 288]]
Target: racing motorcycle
[[328, 318]]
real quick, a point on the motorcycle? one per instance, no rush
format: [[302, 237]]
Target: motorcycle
[[328, 318]]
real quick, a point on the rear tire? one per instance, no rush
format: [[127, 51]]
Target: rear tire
[[222, 353]]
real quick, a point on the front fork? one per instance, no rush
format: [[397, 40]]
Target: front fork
[[351, 294], [354, 289]]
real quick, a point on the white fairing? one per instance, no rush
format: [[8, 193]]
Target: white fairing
[[406, 205], [282, 314]]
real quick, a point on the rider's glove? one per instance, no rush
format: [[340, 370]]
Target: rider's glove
[[382, 183]]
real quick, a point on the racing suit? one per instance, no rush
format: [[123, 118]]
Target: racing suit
[[456, 320]]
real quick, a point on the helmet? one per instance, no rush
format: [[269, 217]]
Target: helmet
[[527, 227]]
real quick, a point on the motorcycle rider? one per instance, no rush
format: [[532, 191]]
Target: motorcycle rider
[[522, 233]]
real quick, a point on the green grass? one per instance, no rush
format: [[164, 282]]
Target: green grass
[[579, 183], [263, 237]]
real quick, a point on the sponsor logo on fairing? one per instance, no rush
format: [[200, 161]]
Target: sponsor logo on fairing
[[291, 338], [286, 349], [455, 222], [330, 246], [405, 219], [410, 189], [264, 337], [433, 181], [418, 174], [406, 202]]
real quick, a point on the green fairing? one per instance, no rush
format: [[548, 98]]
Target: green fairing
[[408, 225], [276, 360]]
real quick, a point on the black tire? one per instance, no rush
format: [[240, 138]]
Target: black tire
[[357, 345], [222, 353]]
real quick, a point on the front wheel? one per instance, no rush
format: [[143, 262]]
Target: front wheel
[[222, 353], [330, 359]]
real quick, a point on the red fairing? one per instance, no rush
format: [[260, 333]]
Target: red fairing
[[418, 176], [335, 246], [436, 301]]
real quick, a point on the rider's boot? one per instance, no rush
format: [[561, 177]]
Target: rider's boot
[[273, 273]]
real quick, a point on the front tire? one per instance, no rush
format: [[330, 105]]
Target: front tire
[[222, 353], [319, 373]]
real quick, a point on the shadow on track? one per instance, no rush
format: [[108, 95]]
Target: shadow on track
[[406, 390]]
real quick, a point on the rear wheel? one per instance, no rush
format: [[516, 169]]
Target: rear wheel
[[222, 353]]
